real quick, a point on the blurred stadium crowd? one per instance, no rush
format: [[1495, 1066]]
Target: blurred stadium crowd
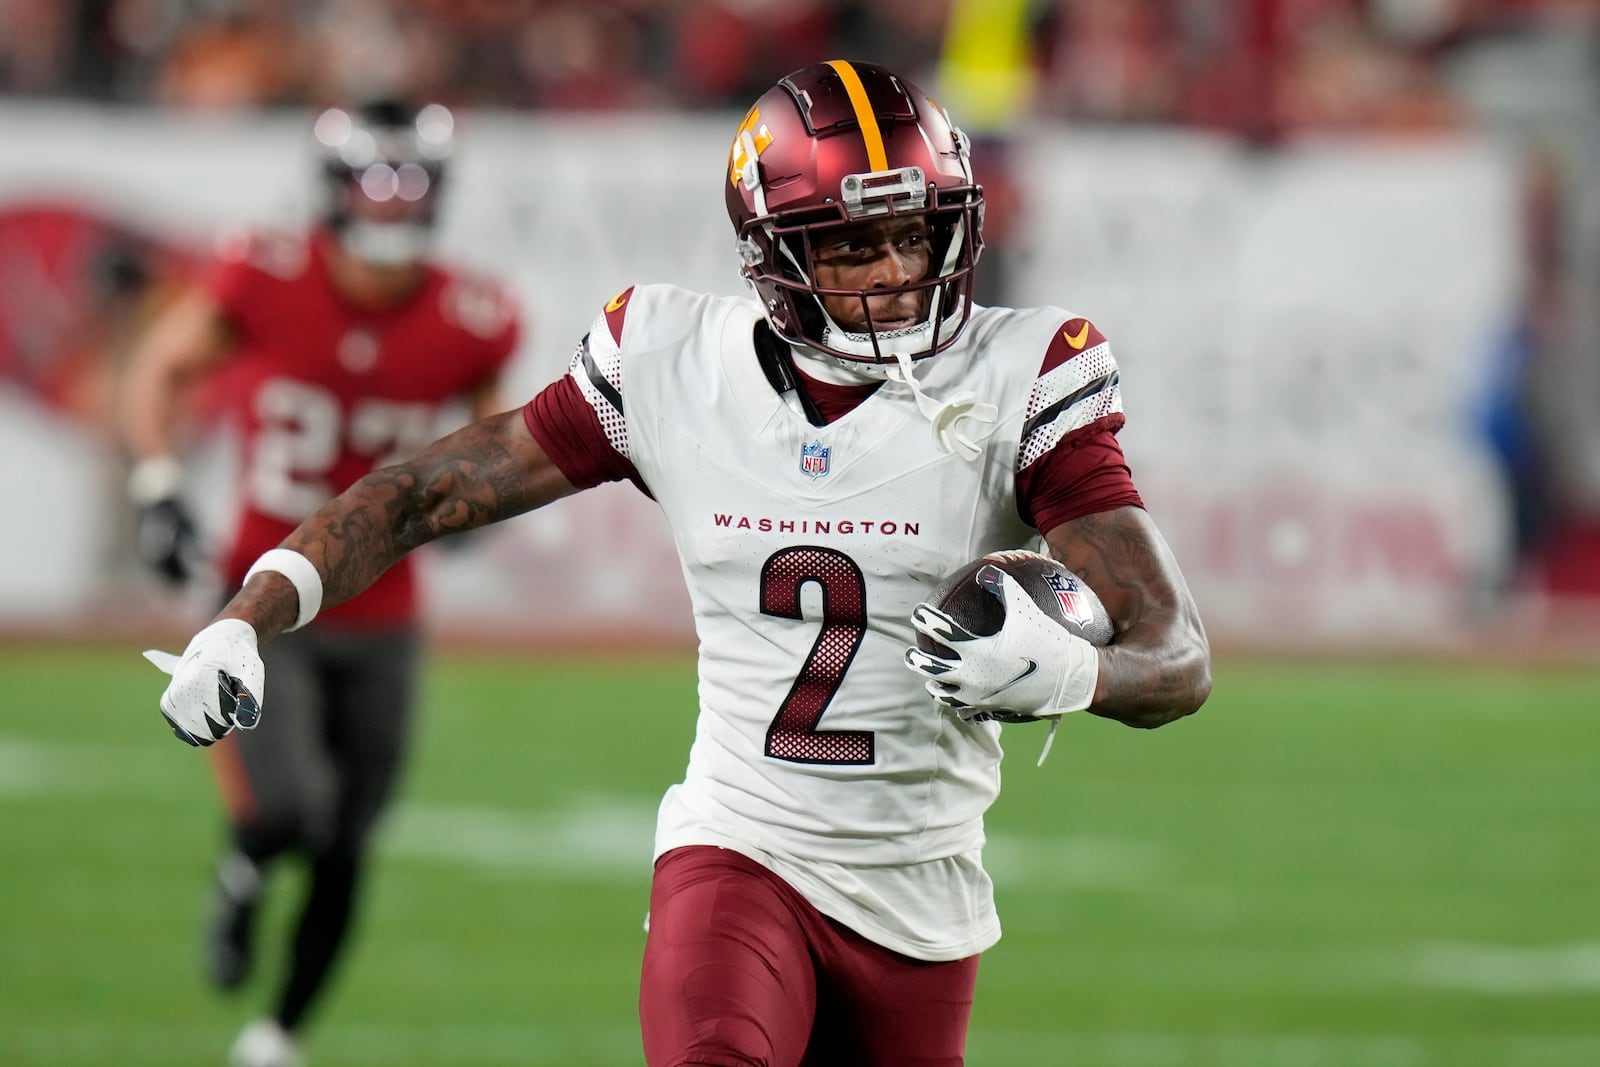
[[1263, 68], [1259, 66], [1268, 72]]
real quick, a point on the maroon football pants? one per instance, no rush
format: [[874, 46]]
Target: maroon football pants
[[739, 970]]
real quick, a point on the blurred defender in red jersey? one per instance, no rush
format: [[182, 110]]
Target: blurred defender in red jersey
[[341, 350], [825, 448]]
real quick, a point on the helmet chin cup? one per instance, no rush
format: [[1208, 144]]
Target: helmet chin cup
[[878, 347]]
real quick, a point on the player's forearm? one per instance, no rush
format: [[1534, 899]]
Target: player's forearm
[[150, 412], [1158, 666], [150, 408], [350, 540], [185, 341], [1151, 675], [477, 475]]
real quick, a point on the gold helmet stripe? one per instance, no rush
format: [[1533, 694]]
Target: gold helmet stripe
[[877, 158]]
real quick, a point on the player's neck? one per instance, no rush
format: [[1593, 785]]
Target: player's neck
[[834, 396]]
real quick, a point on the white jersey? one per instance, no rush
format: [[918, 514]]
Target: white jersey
[[804, 549]]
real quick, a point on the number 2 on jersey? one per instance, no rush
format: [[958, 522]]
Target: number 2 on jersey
[[793, 734]]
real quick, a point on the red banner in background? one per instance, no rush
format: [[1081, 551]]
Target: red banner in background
[[74, 288]]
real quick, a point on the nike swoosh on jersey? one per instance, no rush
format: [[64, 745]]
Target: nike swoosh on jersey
[[1076, 340], [616, 302], [1026, 671]]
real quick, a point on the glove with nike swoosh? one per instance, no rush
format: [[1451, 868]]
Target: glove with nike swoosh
[[216, 684], [1032, 668]]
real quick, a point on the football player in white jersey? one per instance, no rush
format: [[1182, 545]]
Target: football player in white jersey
[[825, 452]]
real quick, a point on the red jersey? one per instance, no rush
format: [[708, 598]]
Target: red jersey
[[324, 391]]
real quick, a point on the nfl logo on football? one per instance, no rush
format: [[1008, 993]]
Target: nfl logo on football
[[814, 459], [1073, 604]]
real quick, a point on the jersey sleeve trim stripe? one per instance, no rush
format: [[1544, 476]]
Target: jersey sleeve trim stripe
[[1049, 414], [596, 369], [596, 377]]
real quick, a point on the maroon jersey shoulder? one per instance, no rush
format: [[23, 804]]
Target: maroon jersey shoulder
[[1075, 335], [616, 311]]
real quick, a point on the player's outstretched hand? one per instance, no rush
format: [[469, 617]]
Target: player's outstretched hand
[[217, 683], [1032, 667]]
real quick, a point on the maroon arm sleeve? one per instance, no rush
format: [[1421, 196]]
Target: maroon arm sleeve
[[1083, 474], [567, 428]]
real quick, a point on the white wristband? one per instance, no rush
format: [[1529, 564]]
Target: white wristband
[[300, 571]]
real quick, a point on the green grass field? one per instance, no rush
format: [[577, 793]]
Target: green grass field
[[1333, 865]]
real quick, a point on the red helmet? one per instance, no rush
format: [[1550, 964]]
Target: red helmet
[[841, 142]]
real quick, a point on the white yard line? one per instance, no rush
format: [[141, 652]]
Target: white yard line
[[592, 836], [1075, 861], [597, 835], [1510, 970], [72, 1044], [1075, 1045], [33, 768], [603, 1045]]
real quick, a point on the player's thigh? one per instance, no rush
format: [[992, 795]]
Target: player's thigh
[[283, 767], [372, 693], [877, 1008], [727, 975]]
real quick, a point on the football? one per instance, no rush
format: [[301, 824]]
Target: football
[[971, 597]]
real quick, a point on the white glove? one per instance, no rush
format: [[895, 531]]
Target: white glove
[[1032, 668], [217, 683]]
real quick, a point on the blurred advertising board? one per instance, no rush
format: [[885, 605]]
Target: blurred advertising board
[[1300, 336]]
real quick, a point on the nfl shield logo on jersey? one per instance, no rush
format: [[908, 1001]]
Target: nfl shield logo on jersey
[[814, 459]]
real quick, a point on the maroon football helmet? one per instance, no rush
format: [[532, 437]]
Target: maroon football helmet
[[838, 143]]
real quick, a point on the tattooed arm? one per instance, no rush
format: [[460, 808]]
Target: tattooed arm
[[487, 471], [1157, 667]]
